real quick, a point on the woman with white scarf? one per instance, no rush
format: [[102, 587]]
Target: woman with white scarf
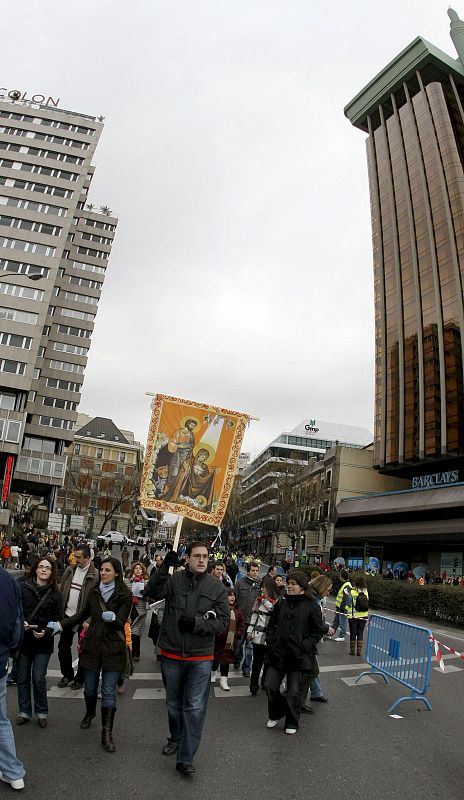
[[104, 647]]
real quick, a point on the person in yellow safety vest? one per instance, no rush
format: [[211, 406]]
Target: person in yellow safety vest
[[340, 618], [358, 611]]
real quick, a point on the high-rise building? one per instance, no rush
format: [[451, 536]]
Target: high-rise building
[[413, 113], [54, 250]]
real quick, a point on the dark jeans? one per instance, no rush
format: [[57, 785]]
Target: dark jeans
[[136, 645], [35, 665], [357, 629], [65, 656], [259, 651], [187, 686], [278, 705], [223, 668], [109, 682]]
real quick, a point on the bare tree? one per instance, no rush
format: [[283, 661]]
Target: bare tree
[[77, 484], [116, 491], [298, 493], [232, 517]]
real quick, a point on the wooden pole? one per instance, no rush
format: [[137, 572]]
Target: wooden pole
[[175, 543]]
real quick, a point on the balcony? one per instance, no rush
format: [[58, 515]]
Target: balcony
[[41, 467]]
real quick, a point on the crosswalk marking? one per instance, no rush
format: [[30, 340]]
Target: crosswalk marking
[[352, 681], [448, 668]]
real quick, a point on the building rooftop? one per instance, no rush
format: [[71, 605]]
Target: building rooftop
[[432, 62]]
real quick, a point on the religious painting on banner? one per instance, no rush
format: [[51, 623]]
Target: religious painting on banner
[[191, 458]]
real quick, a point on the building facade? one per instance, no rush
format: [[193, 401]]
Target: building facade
[[266, 485], [102, 477], [413, 112], [54, 251]]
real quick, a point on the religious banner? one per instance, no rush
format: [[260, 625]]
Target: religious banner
[[191, 458]]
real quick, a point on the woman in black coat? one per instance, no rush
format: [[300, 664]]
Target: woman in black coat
[[104, 647], [295, 627], [42, 602]]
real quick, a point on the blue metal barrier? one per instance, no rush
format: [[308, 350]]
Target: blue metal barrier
[[400, 651]]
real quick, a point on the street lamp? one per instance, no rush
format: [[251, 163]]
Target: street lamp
[[34, 277]]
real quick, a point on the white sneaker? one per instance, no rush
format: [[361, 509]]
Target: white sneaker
[[290, 730], [339, 639], [213, 676], [271, 723], [224, 685], [19, 784]]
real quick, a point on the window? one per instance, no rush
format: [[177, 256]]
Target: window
[[70, 348], [88, 251], [7, 401], [31, 396], [41, 445], [99, 452], [85, 282], [89, 267], [28, 225], [97, 468], [27, 247], [41, 188], [13, 367], [81, 298], [69, 330], [77, 448], [19, 316], [70, 312], [13, 431], [56, 422], [122, 457], [21, 291], [22, 269], [68, 386], [13, 340], [66, 366], [57, 402]]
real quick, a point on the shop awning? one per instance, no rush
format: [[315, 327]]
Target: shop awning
[[403, 503]]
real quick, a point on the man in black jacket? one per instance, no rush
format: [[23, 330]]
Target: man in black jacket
[[196, 610]]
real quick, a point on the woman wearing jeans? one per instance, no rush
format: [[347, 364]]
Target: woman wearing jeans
[[42, 602], [104, 647]]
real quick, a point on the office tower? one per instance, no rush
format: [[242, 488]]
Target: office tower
[[413, 112], [54, 250]]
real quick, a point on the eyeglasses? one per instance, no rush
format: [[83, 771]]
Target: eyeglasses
[[46, 567]]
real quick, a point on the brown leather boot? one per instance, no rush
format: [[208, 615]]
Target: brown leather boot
[[359, 647], [352, 646], [107, 729]]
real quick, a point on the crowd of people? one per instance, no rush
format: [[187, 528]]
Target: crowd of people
[[212, 614]]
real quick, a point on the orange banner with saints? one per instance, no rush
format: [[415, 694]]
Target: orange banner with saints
[[191, 458]]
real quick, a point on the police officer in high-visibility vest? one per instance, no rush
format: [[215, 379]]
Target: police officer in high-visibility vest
[[340, 618], [358, 613]]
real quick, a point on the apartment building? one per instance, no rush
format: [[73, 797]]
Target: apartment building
[[102, 477], [54, 251]]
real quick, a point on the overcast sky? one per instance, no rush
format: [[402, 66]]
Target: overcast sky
[[241, 273]]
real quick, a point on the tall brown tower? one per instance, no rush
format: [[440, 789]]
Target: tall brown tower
[[413, 112]]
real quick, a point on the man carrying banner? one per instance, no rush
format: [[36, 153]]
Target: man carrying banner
[[196, 610]]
